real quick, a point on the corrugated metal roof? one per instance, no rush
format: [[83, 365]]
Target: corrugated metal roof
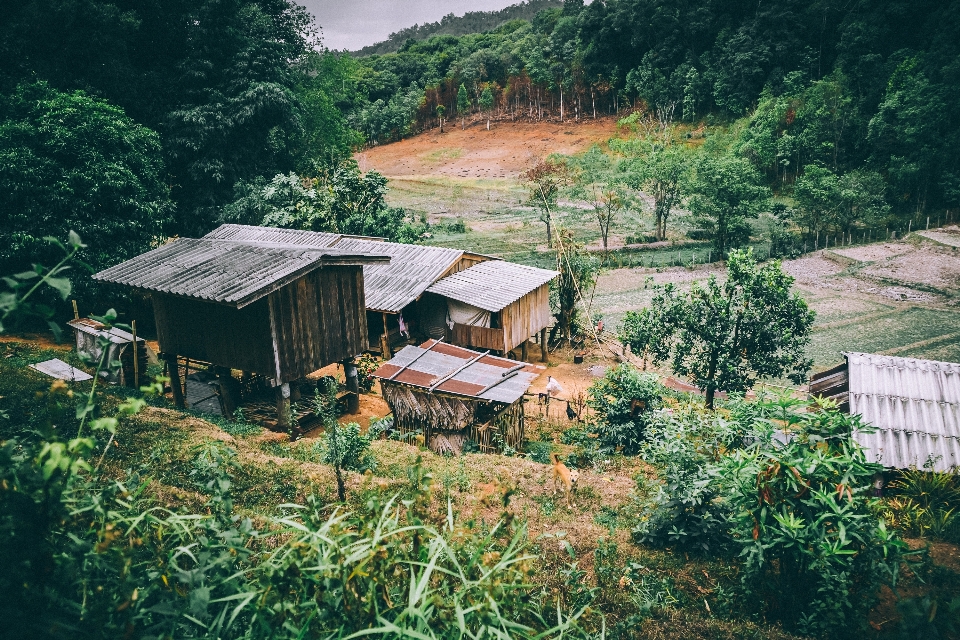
[[493, 285], [412, 268], [914, 406], [233, 273], [429, 363], [272, 235]]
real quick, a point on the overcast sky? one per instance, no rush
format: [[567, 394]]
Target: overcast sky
[[352, 24]]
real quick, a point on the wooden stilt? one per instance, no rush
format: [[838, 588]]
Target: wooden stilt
[[175, 385], [385, 340], [136, 356], [544, 353], [283, 407], [353, 385]]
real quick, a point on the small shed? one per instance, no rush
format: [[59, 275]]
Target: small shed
[[280, 311], [450, 394], [119, 367], [497, 305], [913, 405]]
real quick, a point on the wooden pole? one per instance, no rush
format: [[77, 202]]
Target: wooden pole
[[353, 385], [136, 356], [385, 340], [283, 406], [175, 386], [76, 313], [523, 351], [544, 352]]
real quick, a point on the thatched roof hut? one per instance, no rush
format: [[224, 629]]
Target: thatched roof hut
[[450, 394]]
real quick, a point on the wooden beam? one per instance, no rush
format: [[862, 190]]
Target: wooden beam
[[283, 406], [353, 385], [175, 386], [544, 352], [505, 377]]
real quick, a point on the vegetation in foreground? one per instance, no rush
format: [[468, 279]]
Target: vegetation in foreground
[[117, 525]]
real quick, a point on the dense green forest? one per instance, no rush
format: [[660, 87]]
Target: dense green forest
[[454, 25], [198, 113], [844, 86]]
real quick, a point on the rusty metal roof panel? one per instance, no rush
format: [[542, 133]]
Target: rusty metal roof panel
[[233, 273], [485, 378], [412, 269], [492, 285], [272, 235], [913, 404]]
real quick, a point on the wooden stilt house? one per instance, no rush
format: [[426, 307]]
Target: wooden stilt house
[[280, 311], [423, 292], [497, 305], [451, 395]]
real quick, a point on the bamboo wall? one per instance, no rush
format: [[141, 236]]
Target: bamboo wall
[[456, 418]]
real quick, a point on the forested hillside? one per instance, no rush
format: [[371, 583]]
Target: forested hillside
[[453, 25], [206, 112], [868, 83]]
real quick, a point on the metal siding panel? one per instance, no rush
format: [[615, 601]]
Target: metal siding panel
[[914, 405]]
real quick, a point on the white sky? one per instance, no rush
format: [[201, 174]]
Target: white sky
[[352, 24]]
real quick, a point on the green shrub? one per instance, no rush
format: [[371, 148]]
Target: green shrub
[[804, 521], [352, 449], [924, 503], [624, 400], [685, 509], [366, 365]]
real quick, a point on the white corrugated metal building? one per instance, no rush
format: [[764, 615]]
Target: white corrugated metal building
[[913, 405]]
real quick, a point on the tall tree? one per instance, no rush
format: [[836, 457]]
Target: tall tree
[[544, 181], [725, 337], [70, 162], [725, 193], [658, 169], [463, 105], [486, 103]]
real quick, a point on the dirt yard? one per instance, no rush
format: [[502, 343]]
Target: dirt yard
[[505, 151]]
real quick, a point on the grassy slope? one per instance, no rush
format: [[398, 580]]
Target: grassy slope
[[162, 443]]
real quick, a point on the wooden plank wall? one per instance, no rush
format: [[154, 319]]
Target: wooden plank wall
[[319, 319], [526, 317], [477, 337], [214, 333]]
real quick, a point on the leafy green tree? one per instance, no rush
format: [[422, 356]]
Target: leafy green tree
[[463, 104], [658, 169], [342, 201], [819, 199], [725, 337], [578, 275], [486, 103], [441, 111], [907, 136], [326, 87], [70, 162], [725, 192], [598, 181], [623, 402], [544, 181]]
